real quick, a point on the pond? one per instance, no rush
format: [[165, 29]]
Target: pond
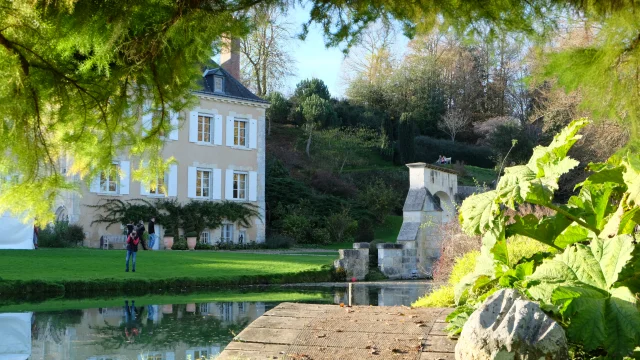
[[192, 326]]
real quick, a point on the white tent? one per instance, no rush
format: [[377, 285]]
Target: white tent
[[15, 336], [14, 234]]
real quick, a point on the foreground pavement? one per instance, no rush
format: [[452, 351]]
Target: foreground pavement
[[312, 332]]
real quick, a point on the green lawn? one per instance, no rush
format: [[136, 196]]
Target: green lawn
[[78, 269], [481, 175]]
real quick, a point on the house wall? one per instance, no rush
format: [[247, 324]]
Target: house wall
[[188, 154]]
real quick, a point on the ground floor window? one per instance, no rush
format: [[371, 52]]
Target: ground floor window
[[242, 238], [227, 233], [205, 238]]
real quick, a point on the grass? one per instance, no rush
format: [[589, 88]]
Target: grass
[[266, 295], [389, 229], [481, 175], [79, 270]]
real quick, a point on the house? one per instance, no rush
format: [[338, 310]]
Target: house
[[219, 146]]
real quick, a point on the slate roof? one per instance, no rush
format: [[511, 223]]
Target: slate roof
[[409, 231], [232, 87], [416, 198]]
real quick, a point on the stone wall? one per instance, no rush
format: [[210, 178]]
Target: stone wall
[[354, 261], [398, 261]]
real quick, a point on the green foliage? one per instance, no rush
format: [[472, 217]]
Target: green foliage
[[364, 233], [277, 241], [320, 236], [317, 113], [350, 147], [500, 142], [379, 198], [591, 283], [60, 234], [406, 138], [307, 88], [195, 216], [279, 109], [428, 149], [375, 274], [341, 225]]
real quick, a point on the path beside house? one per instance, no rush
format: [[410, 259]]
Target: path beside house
[[313, 332]]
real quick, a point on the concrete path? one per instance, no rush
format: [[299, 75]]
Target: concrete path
[[313, 332]]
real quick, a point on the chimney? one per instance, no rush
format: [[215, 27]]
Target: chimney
[[230, 56], [417, 175]]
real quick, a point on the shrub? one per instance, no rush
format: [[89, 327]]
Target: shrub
[[296, 226], [60, 235], [203, 246], [339, 274], [328, 183], [375, 274], [500, 143], [320, 236], [455, 244], [406, 138], [340, 225], [443, 296], [278, 241], [428, 149], [380, 199], [180, 244], [365, 231]]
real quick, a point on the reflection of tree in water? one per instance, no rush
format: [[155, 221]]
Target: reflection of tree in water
[[52, 325], [191, 329]]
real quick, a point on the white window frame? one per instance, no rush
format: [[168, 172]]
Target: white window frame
[[236, 133], [204, 308], [226, 229], [205, 237], [212, 125], [209, 186], [236, 189], [199, 351], [158, 191], [217, 89], [117, 181]]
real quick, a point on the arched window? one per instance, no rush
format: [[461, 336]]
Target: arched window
[[62, 215]]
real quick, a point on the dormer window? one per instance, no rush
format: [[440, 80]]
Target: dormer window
[[217, 84]]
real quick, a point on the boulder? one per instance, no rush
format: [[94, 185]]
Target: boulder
[[507, 326]]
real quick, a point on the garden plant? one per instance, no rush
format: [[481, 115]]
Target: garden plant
[[589, 284]]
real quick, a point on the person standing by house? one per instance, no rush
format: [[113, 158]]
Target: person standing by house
[[140, 230], [132, 249], [130, 227], [151, 229]]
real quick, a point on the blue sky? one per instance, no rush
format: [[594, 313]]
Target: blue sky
[[313, 59]]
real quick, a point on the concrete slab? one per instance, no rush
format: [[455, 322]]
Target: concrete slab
[[334, 332]]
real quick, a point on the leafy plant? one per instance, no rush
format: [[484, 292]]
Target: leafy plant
[[591, 282]]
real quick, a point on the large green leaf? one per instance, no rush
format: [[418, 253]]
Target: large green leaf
[[478, 212], [631, 178], [551, 161], [583, 282], [549, 230], [514, 185]]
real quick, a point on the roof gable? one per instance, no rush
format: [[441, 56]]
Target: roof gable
[[232, 88]]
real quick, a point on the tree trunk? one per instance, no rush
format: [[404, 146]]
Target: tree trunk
[[309, 144]]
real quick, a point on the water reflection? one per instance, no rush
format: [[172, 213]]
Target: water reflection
[[156, 332]]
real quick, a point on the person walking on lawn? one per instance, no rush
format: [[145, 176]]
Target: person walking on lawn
[[152, 232], [132, 249], [140, 229]]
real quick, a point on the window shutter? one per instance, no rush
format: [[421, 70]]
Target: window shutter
[[175, 125], [95, 184], [125, 175], [173, 181], [191, 182], [253, 186], [228, 185], [217, 184], [217, 133], [253, 133], [229, 141], [193, 126]]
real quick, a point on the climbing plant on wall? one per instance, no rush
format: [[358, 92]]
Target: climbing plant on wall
[[591, 280], [194, 216]]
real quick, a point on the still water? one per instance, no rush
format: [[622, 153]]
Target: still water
[[189, 328]]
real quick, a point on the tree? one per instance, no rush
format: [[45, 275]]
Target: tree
[[317, 112], [309, 87], [279, 109], [406, 138], [452, 123], [343, 144], [267, 62]]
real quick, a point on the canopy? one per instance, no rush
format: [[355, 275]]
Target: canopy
[[14, 234], [15, 336]]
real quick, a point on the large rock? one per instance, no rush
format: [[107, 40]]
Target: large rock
[[507, 326]]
